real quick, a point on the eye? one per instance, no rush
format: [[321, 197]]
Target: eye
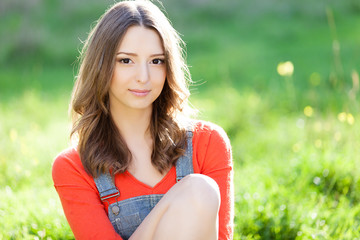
[[125, 60], [157, 61]]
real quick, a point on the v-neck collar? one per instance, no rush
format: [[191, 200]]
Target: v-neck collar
[[136, 181]]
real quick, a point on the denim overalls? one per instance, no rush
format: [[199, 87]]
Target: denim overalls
[[127, 215]]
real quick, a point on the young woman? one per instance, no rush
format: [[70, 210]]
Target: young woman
[[141, 169]]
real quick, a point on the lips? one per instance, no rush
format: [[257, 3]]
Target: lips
[[139, 92]]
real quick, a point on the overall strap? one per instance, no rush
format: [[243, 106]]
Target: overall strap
[[106, 187], [184, 165]]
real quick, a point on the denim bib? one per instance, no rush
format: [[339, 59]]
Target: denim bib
[[126, 215]]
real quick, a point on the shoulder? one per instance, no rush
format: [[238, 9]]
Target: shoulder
[[211, 148], [205, 129], [67, 156], [207, 134], [66, 162]]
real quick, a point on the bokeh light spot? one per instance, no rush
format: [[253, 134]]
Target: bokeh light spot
[[308, 111], [317, 180], [285, 69], [342, 116], [350, 118]]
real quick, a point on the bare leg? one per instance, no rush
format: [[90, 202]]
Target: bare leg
[[189, 210]]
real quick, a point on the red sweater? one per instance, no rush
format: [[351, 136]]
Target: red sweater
[[87, 215]]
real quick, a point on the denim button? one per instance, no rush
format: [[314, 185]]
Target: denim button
[[115, 210]]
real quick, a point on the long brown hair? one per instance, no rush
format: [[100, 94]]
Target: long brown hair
[[100, 145]]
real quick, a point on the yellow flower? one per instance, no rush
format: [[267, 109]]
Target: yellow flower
[[308, 111], [342, 116], [350, 119], [285, 69]]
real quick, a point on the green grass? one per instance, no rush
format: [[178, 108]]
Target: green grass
[[296, 175]]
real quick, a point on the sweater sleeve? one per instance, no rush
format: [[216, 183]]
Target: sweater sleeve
[[214, 159], [80, 200]]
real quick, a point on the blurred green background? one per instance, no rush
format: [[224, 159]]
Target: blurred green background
[[281, 77]]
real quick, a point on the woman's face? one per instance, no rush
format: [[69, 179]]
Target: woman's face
[[139, 72]]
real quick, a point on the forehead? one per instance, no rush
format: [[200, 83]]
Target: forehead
[[138, 39]]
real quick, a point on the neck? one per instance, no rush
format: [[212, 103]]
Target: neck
[[134, 124]]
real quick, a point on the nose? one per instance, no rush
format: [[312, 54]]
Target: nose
[[143, 73]]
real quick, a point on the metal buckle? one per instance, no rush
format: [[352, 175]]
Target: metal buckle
[[111, 195]]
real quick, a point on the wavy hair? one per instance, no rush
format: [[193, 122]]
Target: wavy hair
[[100, 144]]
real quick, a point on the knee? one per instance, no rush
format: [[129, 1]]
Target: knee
[[202, 191]]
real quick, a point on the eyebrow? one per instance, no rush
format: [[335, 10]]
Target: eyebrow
[[134, 54]]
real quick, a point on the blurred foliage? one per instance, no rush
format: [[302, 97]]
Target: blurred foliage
[[281, 77], [243, 41]]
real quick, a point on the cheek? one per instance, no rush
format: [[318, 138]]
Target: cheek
[[120, 77], [161, 76], [114, 77]]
